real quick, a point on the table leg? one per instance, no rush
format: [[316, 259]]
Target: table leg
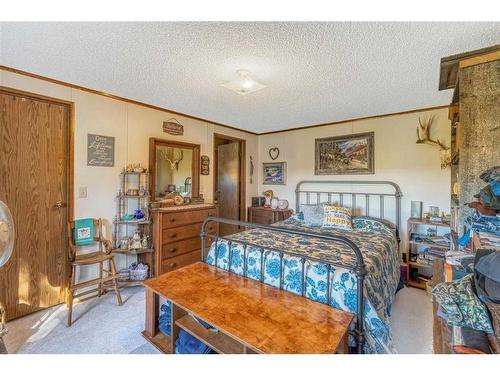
[[152, 313], [343, 347], [177, 313]]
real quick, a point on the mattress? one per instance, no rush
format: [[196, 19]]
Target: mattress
[[377, 243]]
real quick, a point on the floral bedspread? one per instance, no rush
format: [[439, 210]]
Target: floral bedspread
[[380, 251]]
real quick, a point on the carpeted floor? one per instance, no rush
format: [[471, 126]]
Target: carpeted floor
[[100, 326], [411, 322], [103, 327]]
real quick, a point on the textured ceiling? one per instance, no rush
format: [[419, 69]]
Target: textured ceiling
[[314, 72]]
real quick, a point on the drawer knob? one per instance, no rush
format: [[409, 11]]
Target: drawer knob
[[173, 250], [172, 219], [173, 235], [173, 265]]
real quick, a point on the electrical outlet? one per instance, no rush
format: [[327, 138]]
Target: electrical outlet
[[82, 192]]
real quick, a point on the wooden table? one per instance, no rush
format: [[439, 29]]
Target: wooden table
[[251, 317]]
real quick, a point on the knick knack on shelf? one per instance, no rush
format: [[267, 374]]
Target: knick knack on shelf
[[135, 242], [145, 242], [138, 214]]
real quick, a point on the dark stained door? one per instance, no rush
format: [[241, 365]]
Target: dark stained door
[[34, 185], [228, 185]]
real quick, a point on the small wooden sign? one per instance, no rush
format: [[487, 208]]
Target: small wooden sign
[[173, 127], [205, 165]]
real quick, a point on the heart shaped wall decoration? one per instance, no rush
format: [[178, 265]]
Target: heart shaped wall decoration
[[274, 153]]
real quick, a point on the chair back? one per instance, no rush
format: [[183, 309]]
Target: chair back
[[79, 235]]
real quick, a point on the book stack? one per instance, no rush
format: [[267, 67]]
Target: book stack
[[489, 240], [436, 252]]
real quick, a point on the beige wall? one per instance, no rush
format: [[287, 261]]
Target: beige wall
[[414, 167], [397, 157], [132, 126]]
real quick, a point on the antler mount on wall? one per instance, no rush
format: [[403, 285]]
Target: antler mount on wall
[[424, 137]]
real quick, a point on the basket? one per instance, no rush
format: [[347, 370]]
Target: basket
[[127, 274]]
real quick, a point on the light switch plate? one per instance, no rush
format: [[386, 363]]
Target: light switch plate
[[82, 192]]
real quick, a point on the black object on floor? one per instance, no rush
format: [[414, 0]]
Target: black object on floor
[[401, 284]]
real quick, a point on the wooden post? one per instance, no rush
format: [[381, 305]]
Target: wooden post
[[152, 313]]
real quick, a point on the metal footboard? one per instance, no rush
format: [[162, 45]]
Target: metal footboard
[[359, 268]]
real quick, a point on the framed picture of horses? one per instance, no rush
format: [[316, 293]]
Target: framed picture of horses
[[347, 154]]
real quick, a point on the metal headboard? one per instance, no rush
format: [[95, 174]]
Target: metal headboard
[[332, 194]]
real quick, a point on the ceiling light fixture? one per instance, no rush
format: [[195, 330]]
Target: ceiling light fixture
[[244, 84]]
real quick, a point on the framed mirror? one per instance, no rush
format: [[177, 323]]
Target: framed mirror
[[174, 167]]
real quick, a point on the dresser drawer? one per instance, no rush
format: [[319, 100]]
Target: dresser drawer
[[172, 264], [187, 231], [176, 219], [181, 247], [262, 217]]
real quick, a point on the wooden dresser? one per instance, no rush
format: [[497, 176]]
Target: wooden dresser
[[264, 215], [176, 235]]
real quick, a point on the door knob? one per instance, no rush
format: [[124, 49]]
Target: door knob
[[60, 204]]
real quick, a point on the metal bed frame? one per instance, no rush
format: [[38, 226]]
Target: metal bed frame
[[359, 268], [330, 194]]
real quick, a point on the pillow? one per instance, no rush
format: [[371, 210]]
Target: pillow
[[313, 214], [337, 217], [372, 224]]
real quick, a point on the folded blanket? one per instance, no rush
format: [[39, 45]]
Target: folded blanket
[[187, 344], [164, 321], [461, 305]]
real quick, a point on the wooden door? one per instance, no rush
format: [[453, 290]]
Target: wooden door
[[34, 185], [228, 185]]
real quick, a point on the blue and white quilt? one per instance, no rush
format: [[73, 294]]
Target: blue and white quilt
[[376, 241]]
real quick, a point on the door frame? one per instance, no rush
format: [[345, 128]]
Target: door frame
[[243, 152], [71, 135], [70, 163]]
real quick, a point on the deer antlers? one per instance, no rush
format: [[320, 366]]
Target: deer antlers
[[172, 158], [423, 133]]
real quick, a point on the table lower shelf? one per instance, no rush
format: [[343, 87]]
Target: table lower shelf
[[160, 341], [218, 341]]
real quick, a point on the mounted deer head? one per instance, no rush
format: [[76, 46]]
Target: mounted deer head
[[423, 136], [173, 156]]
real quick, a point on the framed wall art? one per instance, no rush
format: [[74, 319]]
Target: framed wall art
[[100, 150], [205, 165], [274, 173], [347, 154]]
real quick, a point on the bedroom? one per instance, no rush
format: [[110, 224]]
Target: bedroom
[[200, 187]]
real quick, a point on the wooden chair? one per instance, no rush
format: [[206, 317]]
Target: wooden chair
[[101, 256]]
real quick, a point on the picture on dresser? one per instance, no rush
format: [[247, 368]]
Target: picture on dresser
[[274, 173], [346, 154]]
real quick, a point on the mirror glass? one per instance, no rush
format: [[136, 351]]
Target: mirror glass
[[174, 171]]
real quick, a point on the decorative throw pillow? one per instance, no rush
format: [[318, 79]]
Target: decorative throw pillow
[[313, 214], [337, 217]]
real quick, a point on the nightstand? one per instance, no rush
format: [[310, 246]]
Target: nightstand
[[419, 270], [264, 215]]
